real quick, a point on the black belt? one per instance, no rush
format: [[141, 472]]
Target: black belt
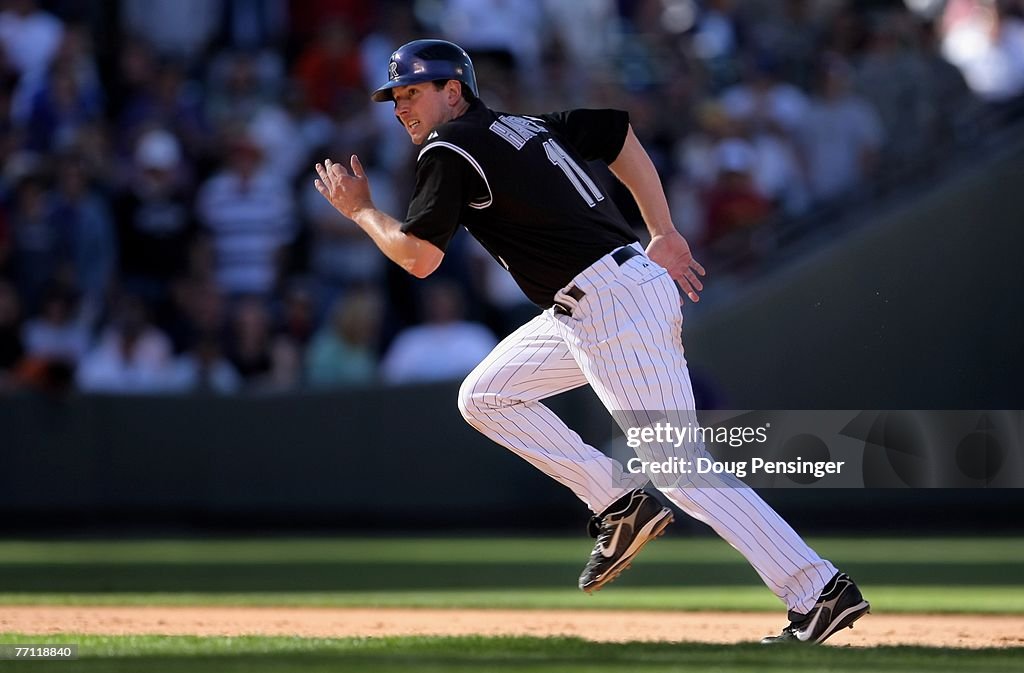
[[621, 256], [624, 253]]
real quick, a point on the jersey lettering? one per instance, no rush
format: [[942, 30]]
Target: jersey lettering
[[508, 134], [516, 130], [577, 176], [524, 127]]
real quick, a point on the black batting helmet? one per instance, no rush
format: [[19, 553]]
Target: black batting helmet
[[426, 61]]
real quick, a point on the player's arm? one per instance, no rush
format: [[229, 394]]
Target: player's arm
[[668, 248], [350, 195]]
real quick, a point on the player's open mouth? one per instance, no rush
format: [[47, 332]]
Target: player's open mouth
[[413, 125]]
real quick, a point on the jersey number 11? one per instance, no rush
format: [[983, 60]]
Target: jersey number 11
[[577, 176]]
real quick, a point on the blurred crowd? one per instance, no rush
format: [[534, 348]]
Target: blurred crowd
[[159, 229]]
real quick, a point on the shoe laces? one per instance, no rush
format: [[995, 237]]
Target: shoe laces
[[796, 622], [596, 523]]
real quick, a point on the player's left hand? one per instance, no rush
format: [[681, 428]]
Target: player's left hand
[[348, 193], [673, 252]]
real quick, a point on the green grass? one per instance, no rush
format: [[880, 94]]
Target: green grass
[[477, 550], [566, 655], [885, 598], [980, 575]]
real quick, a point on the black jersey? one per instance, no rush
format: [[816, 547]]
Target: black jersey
[[522, 187]]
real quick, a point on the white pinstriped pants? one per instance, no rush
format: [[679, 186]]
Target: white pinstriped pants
[[624, 339]]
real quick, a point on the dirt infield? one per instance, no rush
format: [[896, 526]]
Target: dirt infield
[[969, 631]]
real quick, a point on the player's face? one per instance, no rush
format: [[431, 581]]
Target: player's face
[[421, 108]]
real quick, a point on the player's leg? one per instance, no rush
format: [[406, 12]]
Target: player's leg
[[626, 338], [501, 398]]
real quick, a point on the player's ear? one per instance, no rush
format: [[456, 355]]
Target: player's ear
[[454, 91]]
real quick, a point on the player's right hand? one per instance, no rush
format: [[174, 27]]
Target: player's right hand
[[348, 193]]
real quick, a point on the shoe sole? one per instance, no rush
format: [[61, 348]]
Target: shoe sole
[[846, 619], [651, 530]]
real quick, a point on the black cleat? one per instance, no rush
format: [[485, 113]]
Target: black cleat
[[621, 531], [839, 606]]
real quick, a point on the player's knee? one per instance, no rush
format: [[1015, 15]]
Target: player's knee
[[478, 402], [469, 399]]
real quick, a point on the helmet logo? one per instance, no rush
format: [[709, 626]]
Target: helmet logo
[[393, 70]]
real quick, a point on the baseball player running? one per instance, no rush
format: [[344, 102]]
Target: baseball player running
[[611, 313]]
